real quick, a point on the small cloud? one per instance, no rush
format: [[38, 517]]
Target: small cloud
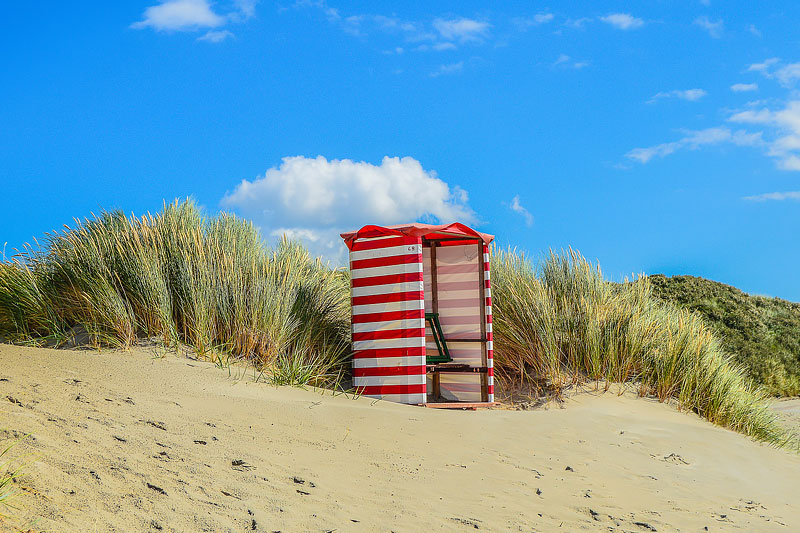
[[523, 23], [691, 95], [744, 87], [788, 74], [443, 46], [180, 15], [462, 29], [452, 68], [623, 21], [578, 23], [215, 36], [567, 62], [714, 28], [755, 31], [763, 66], [776, 196], [516, 206], [694, 140]]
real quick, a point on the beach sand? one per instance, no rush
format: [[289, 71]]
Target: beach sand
[[129, 441]]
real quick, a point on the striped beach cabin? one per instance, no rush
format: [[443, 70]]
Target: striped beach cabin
[[422, 314]]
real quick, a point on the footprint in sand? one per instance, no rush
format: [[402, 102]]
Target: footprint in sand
[[673, 458]]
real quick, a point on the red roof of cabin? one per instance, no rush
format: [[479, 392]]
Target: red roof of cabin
[[430, 231]]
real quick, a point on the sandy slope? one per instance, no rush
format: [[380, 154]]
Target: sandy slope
[[126, 442]]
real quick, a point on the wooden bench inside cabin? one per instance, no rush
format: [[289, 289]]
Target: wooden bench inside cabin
[[443, 363]]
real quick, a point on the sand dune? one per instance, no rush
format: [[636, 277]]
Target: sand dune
[[129, 442]]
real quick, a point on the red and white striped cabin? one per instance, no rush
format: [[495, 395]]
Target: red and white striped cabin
[[400, 273]]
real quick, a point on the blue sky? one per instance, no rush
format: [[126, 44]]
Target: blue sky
[[651, 136]]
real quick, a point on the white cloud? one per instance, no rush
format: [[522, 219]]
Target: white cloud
[[692, 95], [694, 140], [523, 23], [452, 68], [763, 66], [194, 15], [578, 23], [315, 199], [623, 21], [744, 87], [788, 195], [714, 28], [784, 146], [565, 61], [462, 29], [517, 207], [755, 31], [180, 15], [215, 36], [787, 75]]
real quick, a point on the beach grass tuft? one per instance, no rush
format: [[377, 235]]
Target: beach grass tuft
[[181, 278], [559, 323]]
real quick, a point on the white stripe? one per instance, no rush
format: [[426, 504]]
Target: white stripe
[[370, 381], [490, 380], [490, 345], [390, 288], [487, 292], [489, 327], [388, 307], [405, 323], [381, 238], [458, 277], [488, 310], [485, 258], [385, 270], [378, 344], [403, 249], [411, 399], [378, 362], [490, 363]]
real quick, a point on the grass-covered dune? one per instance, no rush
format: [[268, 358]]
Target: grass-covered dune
[[761, 333], [210, 283]]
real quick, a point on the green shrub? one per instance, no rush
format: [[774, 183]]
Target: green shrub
[[762, 334]]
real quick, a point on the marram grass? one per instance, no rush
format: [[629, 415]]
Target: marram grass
[[181, 278], [561, 323]]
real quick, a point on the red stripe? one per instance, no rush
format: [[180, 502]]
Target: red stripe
[[418, 351], [487, 284], [488, 300], [465, 242], [490, 371], [490, 389], [389, 371], [489, 336], [385, 261], [389, 297], [389, 334], [391, 279], [489, 319], [388, 316], [393, 389], [384, 243]]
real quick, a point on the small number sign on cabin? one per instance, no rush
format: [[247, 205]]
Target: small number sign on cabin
[[422, 314]]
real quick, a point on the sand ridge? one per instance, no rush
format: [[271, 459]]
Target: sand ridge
[[127, 441]]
